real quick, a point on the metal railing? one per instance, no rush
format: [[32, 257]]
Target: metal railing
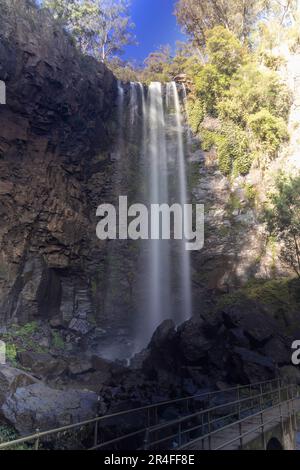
[[198, 430], [141, 427]]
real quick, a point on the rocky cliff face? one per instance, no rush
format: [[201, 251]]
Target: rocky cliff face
[[56, 132]]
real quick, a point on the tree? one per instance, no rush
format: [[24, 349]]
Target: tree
[[157, 65], [283, 219], [238, 16], [102, 28], [224, 50]]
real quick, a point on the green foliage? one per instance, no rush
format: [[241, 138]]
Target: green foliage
[[158, 65], [224, 50], [272, 61], [7, 434], [208, 139], [233, 150], [101, 28], [252, 90], [234, 203], [124, 70], [196, 114], [11, 353], [250, 104], [26, 330], [21, 338], [237, 16], [209, 86], [162, 66], [282, 215], [57, 340], [271, 131], [280, 298], [251, 193]]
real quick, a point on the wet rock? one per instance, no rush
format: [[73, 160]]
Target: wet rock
[[79, 365], [40, 407], [249, 316], [43, 365], [163, 350], [11, 379], [193, 342], [253, 357], [164, 334], [279, 350], [107, 370]]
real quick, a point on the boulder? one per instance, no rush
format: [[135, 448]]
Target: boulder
[[164, 333], [248, 316], [163, 350], [43, 365], [106, 370], [279, 350], [40, 407], [79, 365], [193, 342], [11, 379]]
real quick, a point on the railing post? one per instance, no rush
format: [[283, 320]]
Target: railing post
[[209, 442], [263, 429], [281, 418], [146, 439], [156, 415], [241, 435], [96, 434], [187, 406], [179, 435], [37, 441]]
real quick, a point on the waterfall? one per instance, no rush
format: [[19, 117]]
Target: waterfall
[[159, 253], [150, 169], [166, 266], [185, 255]]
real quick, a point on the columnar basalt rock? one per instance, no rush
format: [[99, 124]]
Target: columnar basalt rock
[[55, 137]]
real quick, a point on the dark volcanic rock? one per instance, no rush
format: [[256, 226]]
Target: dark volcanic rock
[[250, 317], [56, 134], [43, 365], [162, 349], [40, 407], [193, 342], [11, 379]]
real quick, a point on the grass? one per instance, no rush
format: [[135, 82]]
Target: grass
[[20, 338]]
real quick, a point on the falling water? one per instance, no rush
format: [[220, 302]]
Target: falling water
[[159, 253], [185, 256], [151, 169], [166, 266]]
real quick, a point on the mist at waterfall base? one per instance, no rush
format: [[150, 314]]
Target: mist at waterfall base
[[150, 161]]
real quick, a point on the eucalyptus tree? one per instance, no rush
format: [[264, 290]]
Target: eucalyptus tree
[[102, 28]]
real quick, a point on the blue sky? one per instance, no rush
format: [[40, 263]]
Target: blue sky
[[155, 25]]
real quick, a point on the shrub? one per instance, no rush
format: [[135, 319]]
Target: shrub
[[271, 131], [210, 85], [233, 150], [195, 114], [208, 139], [57, 340], [224, 50]]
